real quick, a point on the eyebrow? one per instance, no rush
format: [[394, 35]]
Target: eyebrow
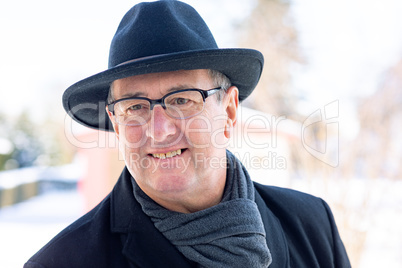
[[142, 94]]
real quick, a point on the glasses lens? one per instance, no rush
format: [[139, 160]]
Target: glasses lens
[[184, 104], [132, 112]]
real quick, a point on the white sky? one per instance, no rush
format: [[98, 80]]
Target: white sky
[[48, 45], [349, 43]]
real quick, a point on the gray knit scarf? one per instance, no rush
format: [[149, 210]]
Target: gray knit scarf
[[230, 234]]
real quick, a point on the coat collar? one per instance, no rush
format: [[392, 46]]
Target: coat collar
[[141, 240], [275, 235], [123, 206]]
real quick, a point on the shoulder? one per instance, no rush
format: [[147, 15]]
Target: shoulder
[[308, 225], [87, 234], [297, 210], [289, 198]]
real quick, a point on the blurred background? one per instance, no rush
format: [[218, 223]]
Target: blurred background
[[325, 117]]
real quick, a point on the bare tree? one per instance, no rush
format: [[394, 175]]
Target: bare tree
[[378, 151], [270, 29]]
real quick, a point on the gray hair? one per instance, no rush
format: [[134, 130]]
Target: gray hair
[[218, 79], [110, 98]]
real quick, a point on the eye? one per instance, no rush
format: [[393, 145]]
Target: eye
[[180, 101], [135, 107]]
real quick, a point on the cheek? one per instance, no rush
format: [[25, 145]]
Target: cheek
[[132, 137], [203, 132]]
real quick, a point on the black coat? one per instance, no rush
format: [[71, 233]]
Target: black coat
[[300, 229]]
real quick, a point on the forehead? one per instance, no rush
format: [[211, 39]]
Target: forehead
[[157, 84]]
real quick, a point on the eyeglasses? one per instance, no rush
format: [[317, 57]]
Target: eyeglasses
[[181, 104]]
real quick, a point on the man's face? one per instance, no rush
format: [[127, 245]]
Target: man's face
[[177, 159]]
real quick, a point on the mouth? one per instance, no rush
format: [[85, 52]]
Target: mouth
[[168, 154]]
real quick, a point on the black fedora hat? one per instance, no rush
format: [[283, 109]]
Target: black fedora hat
[[156, 37]]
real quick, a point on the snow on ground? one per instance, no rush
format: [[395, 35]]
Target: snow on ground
[[27, 226]]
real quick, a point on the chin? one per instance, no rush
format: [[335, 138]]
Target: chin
[[172, 184]]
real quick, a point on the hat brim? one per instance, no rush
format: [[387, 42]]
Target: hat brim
[[85, 101]]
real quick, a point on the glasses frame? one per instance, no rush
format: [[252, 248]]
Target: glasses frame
[[204, 93]]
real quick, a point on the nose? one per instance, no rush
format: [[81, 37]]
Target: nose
[[161, 126]]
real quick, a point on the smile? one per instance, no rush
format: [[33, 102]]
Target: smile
[[167, 155]]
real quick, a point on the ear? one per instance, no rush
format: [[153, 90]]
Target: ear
[[115, 126], [231, 103]]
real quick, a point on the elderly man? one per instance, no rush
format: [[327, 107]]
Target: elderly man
[[171, 96]]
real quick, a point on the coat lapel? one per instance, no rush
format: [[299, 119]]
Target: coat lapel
[[275, 235], [142, 243]]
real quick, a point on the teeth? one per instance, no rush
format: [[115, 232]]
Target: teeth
[[168, 154]]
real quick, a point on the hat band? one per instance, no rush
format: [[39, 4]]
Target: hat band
[[140, 59]]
